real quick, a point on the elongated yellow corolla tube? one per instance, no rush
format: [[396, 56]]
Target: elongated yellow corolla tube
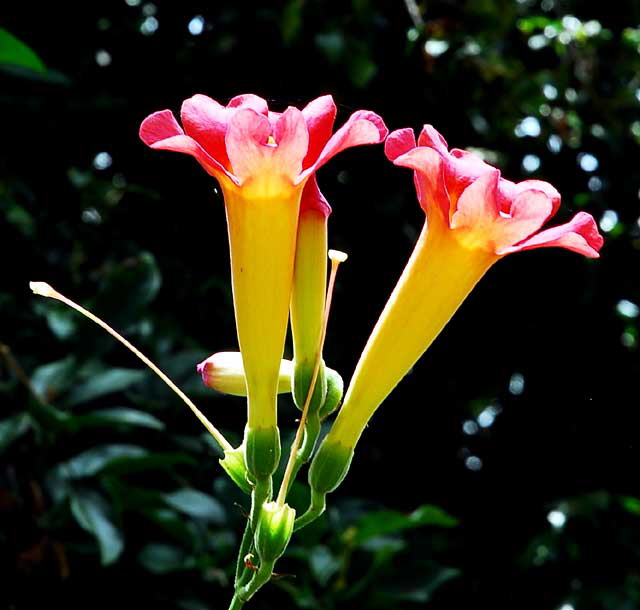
[[262, 221], [437, 278]]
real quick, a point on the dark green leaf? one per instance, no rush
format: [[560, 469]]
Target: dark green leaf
[[119, 416], [164, 558], [91, 512], [323, 564], [108, 382], [196, 504], [50, 380], [390, 522], [15, 53], [94, 460], [12, 429]]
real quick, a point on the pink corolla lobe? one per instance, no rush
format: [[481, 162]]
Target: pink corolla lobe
[[482, 209], [244, 138]]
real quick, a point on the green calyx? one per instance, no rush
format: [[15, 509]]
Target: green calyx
[[329, 466], [335, 389], [261, 451], [234, 465], [302, 377], [272, 535]]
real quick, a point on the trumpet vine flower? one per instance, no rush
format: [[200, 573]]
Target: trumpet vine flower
[[474, 217], [262, 161]]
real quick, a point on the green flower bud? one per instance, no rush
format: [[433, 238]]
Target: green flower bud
[[335, 389], [274, 530], [234, 465], [262, 451], [329, 466]]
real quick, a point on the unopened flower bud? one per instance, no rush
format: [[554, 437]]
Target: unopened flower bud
[[224, 372], [329, 466], [274, 530]]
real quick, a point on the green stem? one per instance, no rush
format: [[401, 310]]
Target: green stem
[[311, 433], [260, 578], [236, 603], [261, 493], [316, 508]]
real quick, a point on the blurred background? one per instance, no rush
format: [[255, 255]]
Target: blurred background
[[503, 470]]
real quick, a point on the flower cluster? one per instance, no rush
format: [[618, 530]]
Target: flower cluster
[[265, 163]]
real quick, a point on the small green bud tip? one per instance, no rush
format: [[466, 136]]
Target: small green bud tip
[[234, 465], [335, 389], [262, 451], [274, 530], [329, 467], [302, 376]]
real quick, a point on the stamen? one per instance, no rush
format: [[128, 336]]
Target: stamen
[[271, 141], [336, 258], [45, 290]]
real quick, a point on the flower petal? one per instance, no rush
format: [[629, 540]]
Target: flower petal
[[292, 143], [161, 131], [399, 142], [477, 212], [429, 177], [247, 142], [461, 166], [320, 115], [313, 199], [508, 191], [249, 100], [159, 126], [206, 121], [481, 223], [363, 127], [580, 235]]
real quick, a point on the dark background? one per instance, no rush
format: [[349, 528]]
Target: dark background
[[97, 507]]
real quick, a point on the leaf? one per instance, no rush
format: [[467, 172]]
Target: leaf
[[91, 462], [323, 564], [630, 504], [164, 558], [91, 511], [137, 279], [107, 382], [15, 53], [12, 428], [119, 416], [54, 378], [196, 504], [390, 522]]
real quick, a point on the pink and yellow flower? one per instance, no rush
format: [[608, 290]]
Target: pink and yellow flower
[[474, 217], [262, 161]]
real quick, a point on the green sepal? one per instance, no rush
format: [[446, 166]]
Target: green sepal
[[335, 390], [234, 465], [262, 451], [302, 376], [272, 535], [329, 466]]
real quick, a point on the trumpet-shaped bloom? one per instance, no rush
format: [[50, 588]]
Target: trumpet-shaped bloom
[[262, 160], [474, 218]]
